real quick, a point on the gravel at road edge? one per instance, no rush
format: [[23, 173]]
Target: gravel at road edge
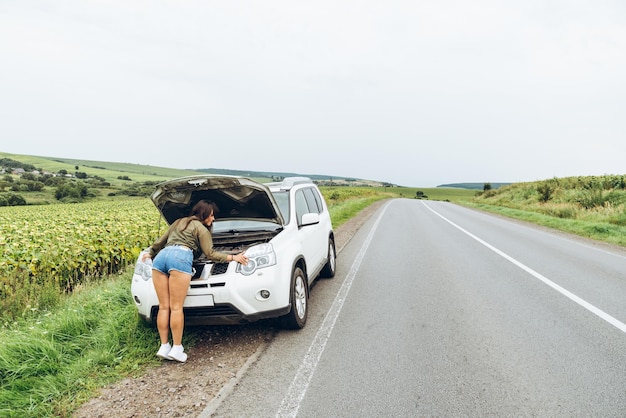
[[184, 390]]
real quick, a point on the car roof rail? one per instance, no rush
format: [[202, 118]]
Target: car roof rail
[[289, 182]]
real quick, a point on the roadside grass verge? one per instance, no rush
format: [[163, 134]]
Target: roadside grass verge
[[588, 228], [589, 206], [344, 203], [51, 362]]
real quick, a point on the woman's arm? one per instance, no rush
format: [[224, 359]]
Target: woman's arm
[[206, 245]]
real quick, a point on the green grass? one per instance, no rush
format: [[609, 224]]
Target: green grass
[[597, 230], [51, 362], [589, 206]]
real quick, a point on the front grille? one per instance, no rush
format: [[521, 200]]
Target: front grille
[[216, 269], [219, 268]]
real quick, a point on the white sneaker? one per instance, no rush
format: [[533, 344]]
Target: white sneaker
[[164, 351], [177, 353]]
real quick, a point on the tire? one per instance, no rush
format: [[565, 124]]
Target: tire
[[331, 265], [299, 298]]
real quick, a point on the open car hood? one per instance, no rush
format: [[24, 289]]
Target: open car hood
[[236, 198]]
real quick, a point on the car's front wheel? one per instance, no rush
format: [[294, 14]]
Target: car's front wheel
[[296, 318]]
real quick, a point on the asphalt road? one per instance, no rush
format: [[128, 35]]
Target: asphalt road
[[438, 311]]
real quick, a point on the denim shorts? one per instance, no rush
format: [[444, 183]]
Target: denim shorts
[[174, 257]]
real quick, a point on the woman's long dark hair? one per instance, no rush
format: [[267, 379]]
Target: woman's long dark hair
[[200, 211]]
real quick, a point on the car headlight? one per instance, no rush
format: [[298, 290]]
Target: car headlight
[[259, 256], [143, 269]]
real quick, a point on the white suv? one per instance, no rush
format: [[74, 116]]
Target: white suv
[[284, 229]]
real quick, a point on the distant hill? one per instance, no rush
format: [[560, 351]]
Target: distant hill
[[473, 186], [111, 171], [273, 174]]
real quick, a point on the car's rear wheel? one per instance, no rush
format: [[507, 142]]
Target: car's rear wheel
[[296, 318], [331, 265]]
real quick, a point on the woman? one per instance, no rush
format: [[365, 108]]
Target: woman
[[172, 270]]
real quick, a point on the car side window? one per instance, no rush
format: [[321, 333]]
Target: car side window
[[311, 201], [318, 200], [301, 206]]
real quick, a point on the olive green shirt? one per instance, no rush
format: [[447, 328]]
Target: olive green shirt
[[195, 236]]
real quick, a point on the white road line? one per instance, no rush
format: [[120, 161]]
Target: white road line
[[291, 403], [596, 311]]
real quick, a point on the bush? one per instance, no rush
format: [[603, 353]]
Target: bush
[[54, 181], [11, 199], [136, 190], [10, 163], [33, 186], [590, 199], [545, 192], [74, 191]]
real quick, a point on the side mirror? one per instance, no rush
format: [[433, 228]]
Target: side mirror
[[310, 219]]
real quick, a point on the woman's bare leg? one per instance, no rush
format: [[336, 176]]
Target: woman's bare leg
[[178, 287], [161, 286]]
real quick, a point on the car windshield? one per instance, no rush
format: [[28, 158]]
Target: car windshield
[[282, 198]]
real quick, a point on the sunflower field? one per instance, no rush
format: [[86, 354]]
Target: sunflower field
[[58, 247]]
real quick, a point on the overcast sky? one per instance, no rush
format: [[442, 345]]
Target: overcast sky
[[413, 92]]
